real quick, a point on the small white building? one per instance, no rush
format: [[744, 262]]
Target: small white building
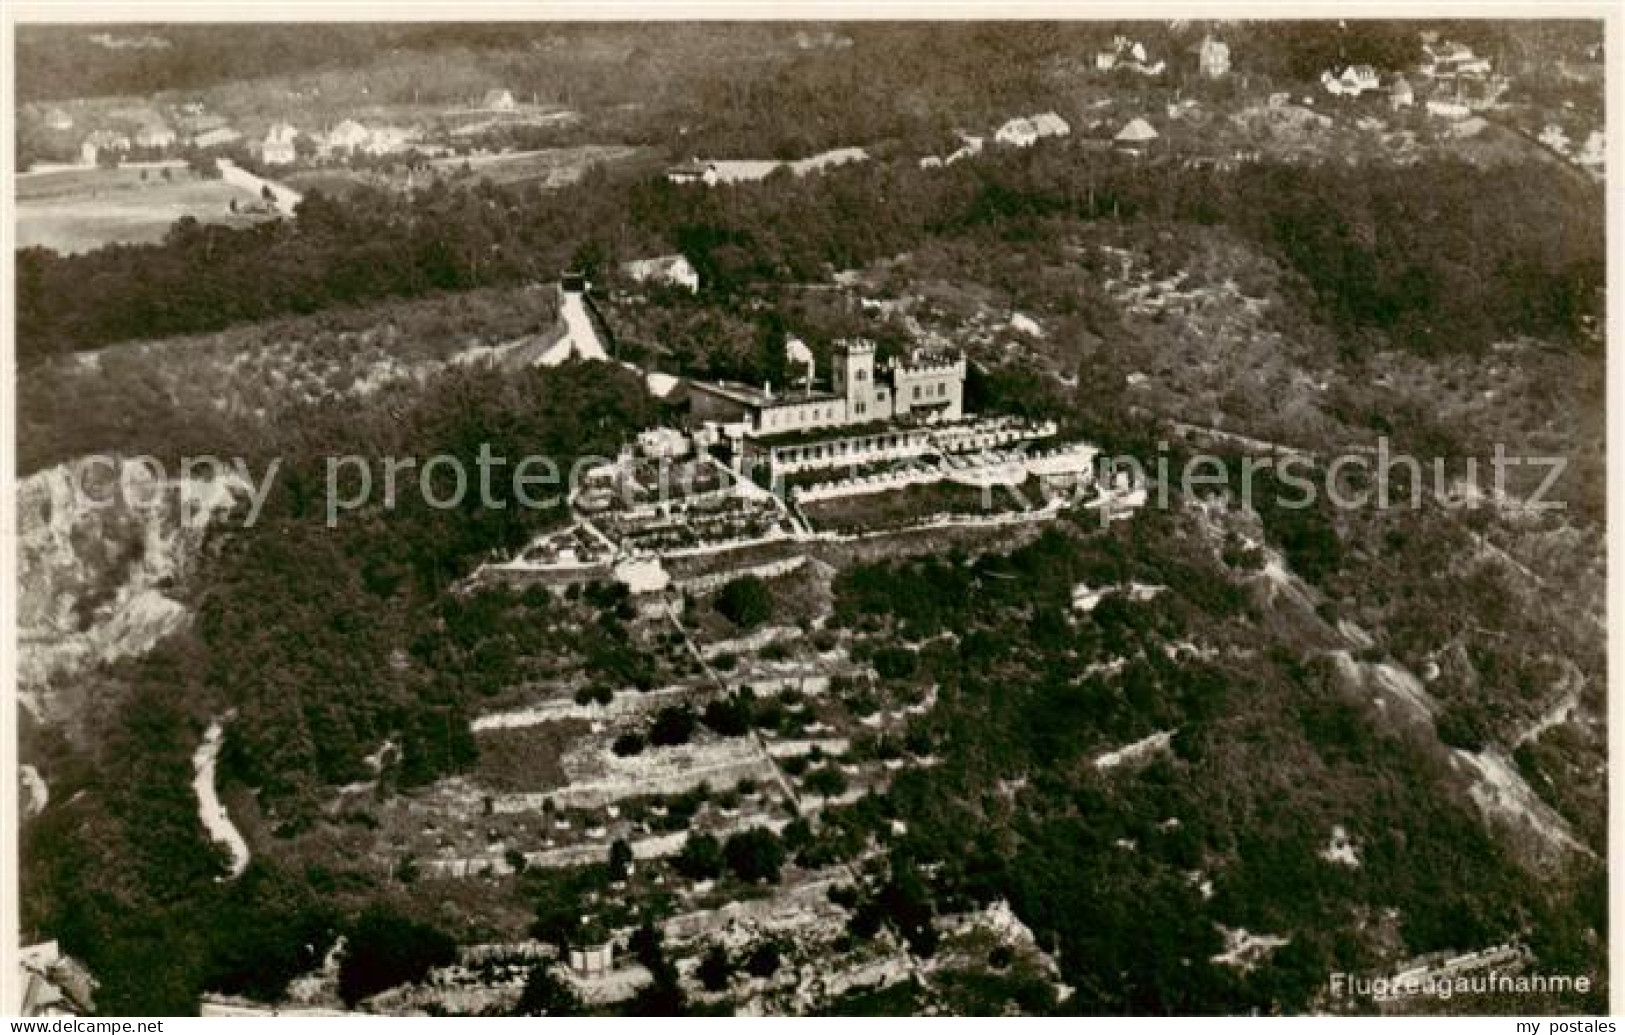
[[1029, 130], [221, 136], [593, 960], [102, 140], [1448, 109], [663, 442], [347, 136], [155, 136], [278, 146], [674, 270], [693, 172], [1212, 58], [1354, 81], [1594, 152], [58, 120], [1401, 95], [498, 100], [1127, 55]]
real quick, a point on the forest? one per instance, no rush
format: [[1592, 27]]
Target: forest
[[1439, 257], [1268, 754], [325, 641]]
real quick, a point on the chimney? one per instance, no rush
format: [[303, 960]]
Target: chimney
[[767, 389]]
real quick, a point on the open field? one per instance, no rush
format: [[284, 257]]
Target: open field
[[549, 167], [79, 210], [554, 167], [90, 181]]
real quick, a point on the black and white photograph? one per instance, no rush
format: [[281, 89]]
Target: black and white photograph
[[569, 512]]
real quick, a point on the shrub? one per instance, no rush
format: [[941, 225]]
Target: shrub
[[895, 662], [745, 602], [620, 860], [546, 996], [700, 859], [387, 949], [828, 781], [1463, 726], [672, 726], [763, 961], [729, 717], [714, 970], [755, 855]]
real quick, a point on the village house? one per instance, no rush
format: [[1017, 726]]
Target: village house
[[674, 270], [278, 146], [388, 140], [1212, 58], [498, 100], [346, 137], [1450, 60], [58, 120], [1355, 81], [1593, 154], [1459, 76], [220, 136], [1135, 138], [1029, 130], [191, 125], [1126, 55], [155, 137], [1400, 94], [102, 141]]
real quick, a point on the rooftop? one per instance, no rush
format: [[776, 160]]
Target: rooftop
[[929, 358], [751, 395], [837, 434]]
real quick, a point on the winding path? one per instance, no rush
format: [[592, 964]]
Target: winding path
[[209, 808]]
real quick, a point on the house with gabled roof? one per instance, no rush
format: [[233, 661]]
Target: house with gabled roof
[[278, 146], [1136, 137]]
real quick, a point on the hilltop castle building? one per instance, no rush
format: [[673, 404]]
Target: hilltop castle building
[[927, 385]]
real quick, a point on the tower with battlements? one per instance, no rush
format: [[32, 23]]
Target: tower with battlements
[[854, 381]]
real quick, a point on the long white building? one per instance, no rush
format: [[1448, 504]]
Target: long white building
[[927, 385]]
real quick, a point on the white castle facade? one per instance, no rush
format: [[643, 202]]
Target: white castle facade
[[926, 386]]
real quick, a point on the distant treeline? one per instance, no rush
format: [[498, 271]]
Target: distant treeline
[[617, 63], [1439, 256]]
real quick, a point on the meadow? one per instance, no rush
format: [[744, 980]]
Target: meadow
[[77, 210]]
